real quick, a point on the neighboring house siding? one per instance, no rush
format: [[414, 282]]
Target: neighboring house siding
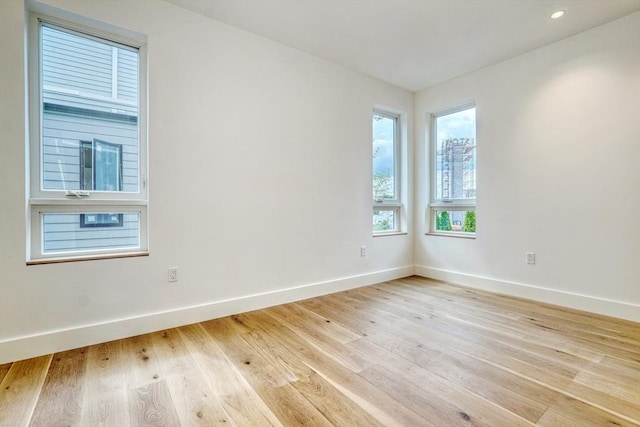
[[127, 76], [76, 64], [62, 232], [61, 145]]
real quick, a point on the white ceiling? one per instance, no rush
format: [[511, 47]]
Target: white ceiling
[[413, 43]]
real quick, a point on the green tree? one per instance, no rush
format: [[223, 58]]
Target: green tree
[[382, 185], [443, 222], [381, 221], [470, 222]]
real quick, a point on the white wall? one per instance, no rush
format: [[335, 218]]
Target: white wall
[[260, 185], [558, 174]]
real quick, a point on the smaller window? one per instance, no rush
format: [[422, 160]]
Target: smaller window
[[454, 220], [386, 173], [98, 230], [101, 220], [385, 219]]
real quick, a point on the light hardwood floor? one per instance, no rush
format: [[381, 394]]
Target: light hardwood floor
[[409, 352]]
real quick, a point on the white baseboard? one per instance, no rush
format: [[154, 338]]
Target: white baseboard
[[588, 303], [25, 347]]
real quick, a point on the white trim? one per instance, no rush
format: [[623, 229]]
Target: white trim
[[27, 346], [86, 25], [453, 206], [390, 205], [455, 109], [390, 233], [462, 234], [619, 309], [73, 203], [50, 200]]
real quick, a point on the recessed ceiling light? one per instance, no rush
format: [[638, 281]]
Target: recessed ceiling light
[[557, 14]]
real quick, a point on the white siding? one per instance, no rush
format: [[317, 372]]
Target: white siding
[[76, 63], [62, 134], [127, 75], [80, 72], [62, 233]]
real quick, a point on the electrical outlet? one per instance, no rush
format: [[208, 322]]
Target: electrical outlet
[[530, 257], [363, 251], [173, 274]]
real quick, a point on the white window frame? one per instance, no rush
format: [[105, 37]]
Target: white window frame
[[394, 205], [446, 204], [47, 201]]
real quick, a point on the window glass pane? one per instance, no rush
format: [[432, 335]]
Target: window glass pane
[[107, 166], [384, 134], [86, 165], [101, 220], [455, 221], [456, 155], [89, 91], [384, 220], [70, 232]]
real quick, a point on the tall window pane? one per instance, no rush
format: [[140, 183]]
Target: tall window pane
[[89, 91], [456, 155], [384, 158], [107, 166]]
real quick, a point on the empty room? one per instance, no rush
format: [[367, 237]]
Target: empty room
[[319, 213]]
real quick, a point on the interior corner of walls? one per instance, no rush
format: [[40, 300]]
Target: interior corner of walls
[[618, 309], [24, 347]]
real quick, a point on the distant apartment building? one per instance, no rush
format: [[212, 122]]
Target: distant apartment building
[[456, 173]]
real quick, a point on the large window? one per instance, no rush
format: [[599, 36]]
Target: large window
[[386, 173], [453, 200], [88, 192]]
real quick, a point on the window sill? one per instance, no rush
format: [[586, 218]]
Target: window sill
[[86, 258], [459, 236], [392, 233]]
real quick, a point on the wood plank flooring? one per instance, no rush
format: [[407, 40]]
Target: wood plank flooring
[[409, 352]]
